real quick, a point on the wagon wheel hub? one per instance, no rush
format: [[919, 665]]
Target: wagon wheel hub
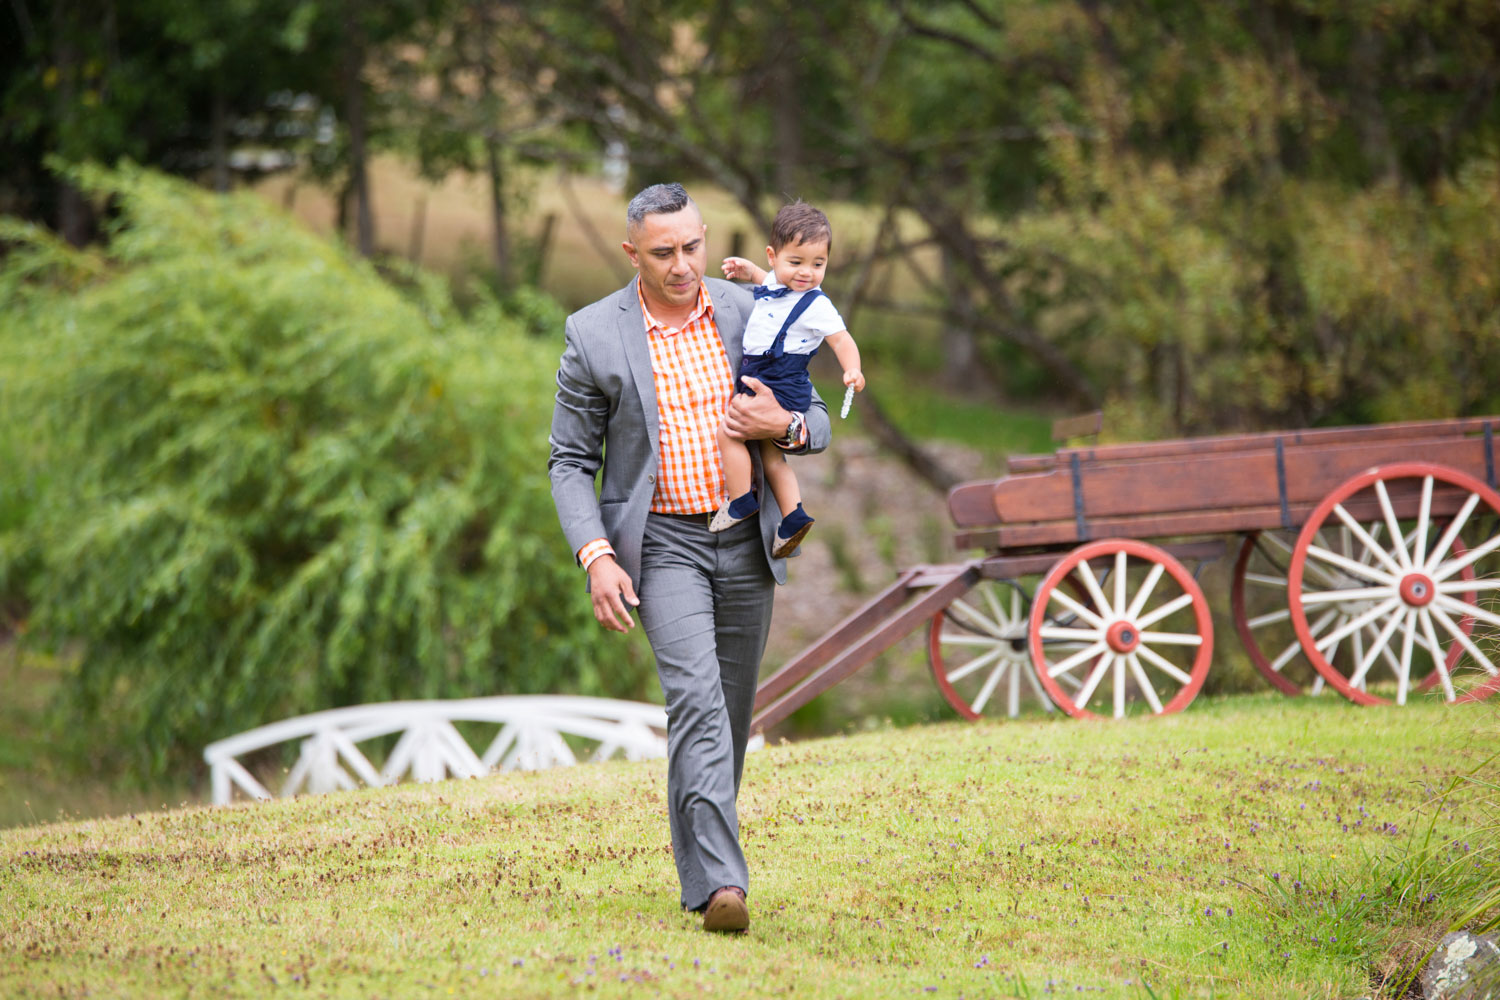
[[1417, 590], [1123, 637]]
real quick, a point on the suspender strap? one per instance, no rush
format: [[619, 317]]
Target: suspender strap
[[778, 348], [1286, 514]]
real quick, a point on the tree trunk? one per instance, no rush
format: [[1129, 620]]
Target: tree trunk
[[493, 166], [354, 111], [497, 211], [219, 138]]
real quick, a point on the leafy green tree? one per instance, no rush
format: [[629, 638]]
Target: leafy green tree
[[274, 483]]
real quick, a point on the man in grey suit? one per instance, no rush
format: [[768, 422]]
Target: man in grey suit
[[646, 375]]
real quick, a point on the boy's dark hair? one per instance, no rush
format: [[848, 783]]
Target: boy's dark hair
[[799, 222]]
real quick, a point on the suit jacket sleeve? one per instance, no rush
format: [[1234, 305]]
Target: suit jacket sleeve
[[818, 430], [579, 414]]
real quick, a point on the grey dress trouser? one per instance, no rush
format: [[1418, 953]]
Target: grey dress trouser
[[706, 607]]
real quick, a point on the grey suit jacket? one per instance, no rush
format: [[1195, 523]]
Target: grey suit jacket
[[605, 416]]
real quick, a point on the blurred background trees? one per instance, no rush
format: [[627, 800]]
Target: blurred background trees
[[1201, 216]]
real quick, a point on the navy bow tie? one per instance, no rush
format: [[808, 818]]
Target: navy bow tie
[[762, 292]]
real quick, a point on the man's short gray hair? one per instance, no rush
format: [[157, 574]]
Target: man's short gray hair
[[658, 199]]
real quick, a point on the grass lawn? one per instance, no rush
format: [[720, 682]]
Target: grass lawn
[[1242, 848]]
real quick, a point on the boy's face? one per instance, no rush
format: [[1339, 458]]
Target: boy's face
[[799, 266]]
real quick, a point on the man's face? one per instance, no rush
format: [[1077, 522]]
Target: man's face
[[670, 251]]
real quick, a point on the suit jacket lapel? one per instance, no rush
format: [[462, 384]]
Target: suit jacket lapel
[[731, 326], [632, 328]]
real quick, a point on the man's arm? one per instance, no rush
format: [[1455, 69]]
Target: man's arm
[[756, 417], [579, 414]]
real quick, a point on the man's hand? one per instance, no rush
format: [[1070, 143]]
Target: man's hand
[[611, 590], [753, 418]]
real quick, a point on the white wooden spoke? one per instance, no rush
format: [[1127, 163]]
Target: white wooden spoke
[[970, 639], [1279, 582], [1077, 658], [1397, 539], [1371, 546], [1464, 641], [975, 618], [1466, 609], [1437, 651], [1466, 586], [1342, 596], [1454, 527], [1286, 656], [1358, 569], [1120, 557], [1403, 679], [1091, 584], [1163, 664], [1424, 512], [1073, 634], [1315, 629], [1260, 621], [1013, 691], [988, 689], [1015, 605], [1036, 687], [1087, 691], [1359, 622], [1119, 680], [1368, 553], [993, 603], [1357, 640], [1176, 604], [1078, 609], [978, 663], [1478, 552], [1172, 638], [1143, 682], [1148, 587], [1278, 541], [1382, 642], [1333, 651]]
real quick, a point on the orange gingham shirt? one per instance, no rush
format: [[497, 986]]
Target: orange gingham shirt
[[694, 384]]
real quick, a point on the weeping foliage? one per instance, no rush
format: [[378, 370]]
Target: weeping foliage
[[260, 480]]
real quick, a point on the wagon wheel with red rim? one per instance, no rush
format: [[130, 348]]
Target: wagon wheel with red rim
[[1263, 617], [1436, 565], [978, 650], [1146, 634]]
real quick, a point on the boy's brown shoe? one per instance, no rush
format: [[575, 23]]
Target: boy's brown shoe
[[726, 910]]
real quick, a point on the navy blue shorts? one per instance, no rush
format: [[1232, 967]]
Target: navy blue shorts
[[785, 376]]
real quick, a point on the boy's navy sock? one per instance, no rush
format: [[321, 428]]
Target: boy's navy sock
[[793, 522], [743, 506]]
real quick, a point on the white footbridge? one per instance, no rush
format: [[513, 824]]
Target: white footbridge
[[535, 732]]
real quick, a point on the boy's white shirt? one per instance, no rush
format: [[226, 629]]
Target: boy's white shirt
[[818, 321]]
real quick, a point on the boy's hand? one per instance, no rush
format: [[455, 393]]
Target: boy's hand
[[740, 269], [854, 377]]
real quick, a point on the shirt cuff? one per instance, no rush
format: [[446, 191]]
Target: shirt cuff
[[593, 550], [799, 442]]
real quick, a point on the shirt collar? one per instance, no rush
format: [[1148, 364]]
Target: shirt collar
[[653, 325]]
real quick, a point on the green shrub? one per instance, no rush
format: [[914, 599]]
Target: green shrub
[[274, 483]]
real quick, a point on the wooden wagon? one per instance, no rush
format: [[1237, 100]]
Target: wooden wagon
[[1367, 560]]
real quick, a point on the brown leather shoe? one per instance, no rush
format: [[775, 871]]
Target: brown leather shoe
[[726, 910]]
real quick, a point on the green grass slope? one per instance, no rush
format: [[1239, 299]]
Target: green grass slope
[[1244, 848]]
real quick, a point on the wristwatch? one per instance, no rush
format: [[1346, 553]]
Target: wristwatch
[[794, 431]]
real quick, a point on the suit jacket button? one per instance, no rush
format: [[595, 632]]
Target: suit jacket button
[[651, 479]]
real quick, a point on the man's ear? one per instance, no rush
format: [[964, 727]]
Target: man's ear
[[629, 249]]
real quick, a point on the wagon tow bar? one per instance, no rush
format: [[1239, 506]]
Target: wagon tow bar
[[866, 633]]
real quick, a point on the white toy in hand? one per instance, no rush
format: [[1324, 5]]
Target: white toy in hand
[[848, 402]]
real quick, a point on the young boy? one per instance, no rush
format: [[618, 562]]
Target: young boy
[[791, 318]]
